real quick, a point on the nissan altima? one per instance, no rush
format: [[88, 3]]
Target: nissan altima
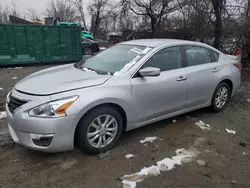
[[89, 104]]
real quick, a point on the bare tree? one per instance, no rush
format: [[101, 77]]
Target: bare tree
[[97, 10], [4, 14], [155, 10], [79, 6], [33, 14], [219, 6], [62, 9]]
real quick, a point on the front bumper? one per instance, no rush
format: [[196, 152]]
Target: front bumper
[[24, 129]]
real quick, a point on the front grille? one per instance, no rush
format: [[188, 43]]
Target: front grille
[[15, 103]]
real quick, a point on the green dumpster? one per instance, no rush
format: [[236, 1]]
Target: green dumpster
[[23, 44]]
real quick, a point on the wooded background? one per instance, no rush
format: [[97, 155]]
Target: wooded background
[[207, 20]]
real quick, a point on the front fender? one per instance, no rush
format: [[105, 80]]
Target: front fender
[[95, 96], [123, 104]]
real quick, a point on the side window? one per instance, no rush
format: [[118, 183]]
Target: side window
[[215, 56], [166, 59], [197, 55]]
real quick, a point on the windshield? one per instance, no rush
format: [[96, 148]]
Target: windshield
[[115, 59]]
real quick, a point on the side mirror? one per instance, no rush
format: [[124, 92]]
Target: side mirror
[[150, 72]]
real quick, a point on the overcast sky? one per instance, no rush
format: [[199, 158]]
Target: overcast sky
[[23, 5]]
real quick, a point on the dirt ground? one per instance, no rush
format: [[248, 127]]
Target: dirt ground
[[226, 156]]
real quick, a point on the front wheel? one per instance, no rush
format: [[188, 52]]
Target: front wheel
[[221, 96], [99, 130]]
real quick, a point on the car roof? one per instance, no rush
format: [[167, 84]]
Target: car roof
[[158, 42]]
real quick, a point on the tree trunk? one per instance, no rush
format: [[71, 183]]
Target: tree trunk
[[217, 4], [248, 8], [96, 24], [153, 26], [217, 31]]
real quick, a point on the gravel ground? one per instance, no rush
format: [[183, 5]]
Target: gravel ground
[[224, 159]]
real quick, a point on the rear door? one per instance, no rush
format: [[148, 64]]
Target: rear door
[[201, 70], [157, 96]]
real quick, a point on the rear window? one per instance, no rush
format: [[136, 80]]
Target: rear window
[[197, 55]]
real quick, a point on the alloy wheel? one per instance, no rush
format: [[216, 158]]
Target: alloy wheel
[[221, 97], [102, 131]]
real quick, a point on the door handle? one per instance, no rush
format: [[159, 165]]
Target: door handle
[[181, 78], [215, 70]]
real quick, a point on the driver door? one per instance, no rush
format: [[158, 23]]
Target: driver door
[[156, 97]]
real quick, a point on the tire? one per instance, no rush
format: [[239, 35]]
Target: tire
[[216, 107], [87, 51], [85, 128]]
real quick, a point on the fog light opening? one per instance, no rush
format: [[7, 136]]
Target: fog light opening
[[43, 140]]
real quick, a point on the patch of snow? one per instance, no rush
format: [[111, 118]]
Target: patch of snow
[[203, 126], [17, 68], [1, 89], [174, 121], [129, 181], [231, 131], [117, 73], [148, 139], [129, 156], [137, 50], [103, 48], [244, 153], [3, 115], [130, 64], [234, 182], [133, 61], [150, 171], [109, 73], [14, 78], [146, 50], [140, 51], [88, 70], [128, 184]]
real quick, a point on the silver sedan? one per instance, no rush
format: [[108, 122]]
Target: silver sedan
[[90, 103]]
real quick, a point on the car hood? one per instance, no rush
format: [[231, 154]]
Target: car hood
[[59, 79]]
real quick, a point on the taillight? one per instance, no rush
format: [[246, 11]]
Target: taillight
[[238, 66]]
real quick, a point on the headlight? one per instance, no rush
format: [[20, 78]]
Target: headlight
[[53, 109]]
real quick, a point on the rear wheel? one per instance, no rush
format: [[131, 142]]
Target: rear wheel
[[221, 97], [99, 130]]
